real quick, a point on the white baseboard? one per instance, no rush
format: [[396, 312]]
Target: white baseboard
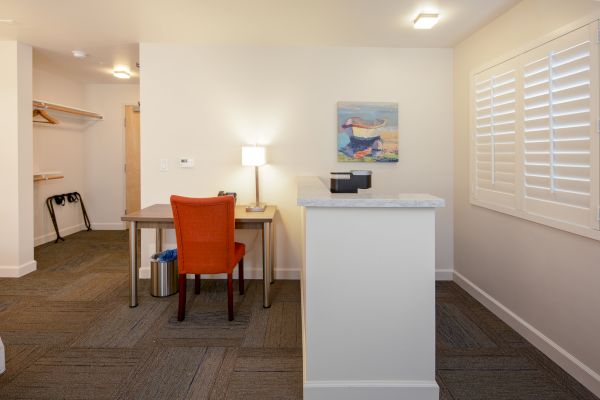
[[444, 274], [584, 374], [250, 273], [69, 230], [18, 270], [51, 236], [290, 274], [144, 273], [372, 390], [108, 226]]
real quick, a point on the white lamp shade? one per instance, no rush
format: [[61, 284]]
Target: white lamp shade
[[253, 156]]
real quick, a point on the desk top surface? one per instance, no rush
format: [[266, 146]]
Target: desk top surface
[[163, 213]]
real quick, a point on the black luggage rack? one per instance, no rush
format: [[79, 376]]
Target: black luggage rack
[[61, 200]]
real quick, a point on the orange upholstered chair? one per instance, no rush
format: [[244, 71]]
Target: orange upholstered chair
[[205, 243]]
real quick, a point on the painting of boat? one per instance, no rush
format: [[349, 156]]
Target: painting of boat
[[368, 132], [364, 131]]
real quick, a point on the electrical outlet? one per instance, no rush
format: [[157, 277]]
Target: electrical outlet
[[185, 162]]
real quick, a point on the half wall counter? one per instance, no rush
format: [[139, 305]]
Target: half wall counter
[[368, 293]]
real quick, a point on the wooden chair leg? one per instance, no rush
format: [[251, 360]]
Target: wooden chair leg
[[241, 275], [230, 295], [181, 310], [197, 284]]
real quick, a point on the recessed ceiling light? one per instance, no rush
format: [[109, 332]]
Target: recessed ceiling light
[[426, 20], [122, 72], [79, 54]]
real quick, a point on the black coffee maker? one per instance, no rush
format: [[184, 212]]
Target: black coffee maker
[[350, 182]]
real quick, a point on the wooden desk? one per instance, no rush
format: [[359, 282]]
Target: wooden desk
[[160, 216]]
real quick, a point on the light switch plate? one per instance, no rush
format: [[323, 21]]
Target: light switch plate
[[164, 164], [185, 162]]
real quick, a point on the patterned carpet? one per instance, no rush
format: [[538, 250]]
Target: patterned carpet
[[69, 334]]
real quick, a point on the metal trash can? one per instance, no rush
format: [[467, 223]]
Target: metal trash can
[[163, 277]]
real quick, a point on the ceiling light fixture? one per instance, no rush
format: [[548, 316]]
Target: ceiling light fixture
[[426, 20], [121, 73], [79, 54]]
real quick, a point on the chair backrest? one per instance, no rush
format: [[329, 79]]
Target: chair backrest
[[205, 233]]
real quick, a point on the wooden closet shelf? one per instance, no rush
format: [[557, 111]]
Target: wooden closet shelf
[[44, 105], [47, 176]]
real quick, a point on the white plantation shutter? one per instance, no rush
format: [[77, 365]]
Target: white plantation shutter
[[535, 132], [495, 135]]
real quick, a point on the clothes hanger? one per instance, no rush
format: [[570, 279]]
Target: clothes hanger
[[44, 114]]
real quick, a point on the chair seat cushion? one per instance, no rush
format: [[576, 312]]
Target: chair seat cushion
[[239, 251]]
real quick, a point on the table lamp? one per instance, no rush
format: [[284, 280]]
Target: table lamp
[[254, 156]]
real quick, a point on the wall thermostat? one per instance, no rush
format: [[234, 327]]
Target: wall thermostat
[[186, 162]]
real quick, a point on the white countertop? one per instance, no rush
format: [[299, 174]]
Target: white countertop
[[314, 192]]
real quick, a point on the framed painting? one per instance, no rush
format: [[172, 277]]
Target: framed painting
[[367, 132]]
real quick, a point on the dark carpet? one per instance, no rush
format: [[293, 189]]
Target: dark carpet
[[69, 334]]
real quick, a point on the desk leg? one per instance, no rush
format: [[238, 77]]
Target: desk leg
[[133, 261], [266, 259], [158, 240], [272, 253]]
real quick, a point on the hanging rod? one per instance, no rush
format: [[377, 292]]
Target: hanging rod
[[44, 105]]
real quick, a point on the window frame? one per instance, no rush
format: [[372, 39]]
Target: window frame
[[592, 231]]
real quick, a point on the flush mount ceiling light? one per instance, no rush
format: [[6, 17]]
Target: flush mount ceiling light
[[121, 73], [79, 54], [426, 20]]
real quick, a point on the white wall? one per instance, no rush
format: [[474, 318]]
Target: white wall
[[16, 155], [543, 281], [58, 148], [105, 153], [206, 102]]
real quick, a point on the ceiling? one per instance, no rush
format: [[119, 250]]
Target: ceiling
[[109, 30], [97, 67]]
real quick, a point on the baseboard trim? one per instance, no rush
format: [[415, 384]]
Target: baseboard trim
[[444, 274], [577, 369], [18, 270], [249, 273], [291, 274], [51, 236], [108, 226], [372, 390]]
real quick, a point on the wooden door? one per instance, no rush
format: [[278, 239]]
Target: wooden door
[[132, 159]]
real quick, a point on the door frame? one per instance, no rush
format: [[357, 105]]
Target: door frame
[[136, 108]]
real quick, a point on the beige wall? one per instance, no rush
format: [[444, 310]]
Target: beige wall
[[104, 150], [16, 155], [206, 102], [543, 281], [58, 148], [9, 155]]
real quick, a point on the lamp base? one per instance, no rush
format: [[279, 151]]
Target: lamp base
[[256, 207]]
